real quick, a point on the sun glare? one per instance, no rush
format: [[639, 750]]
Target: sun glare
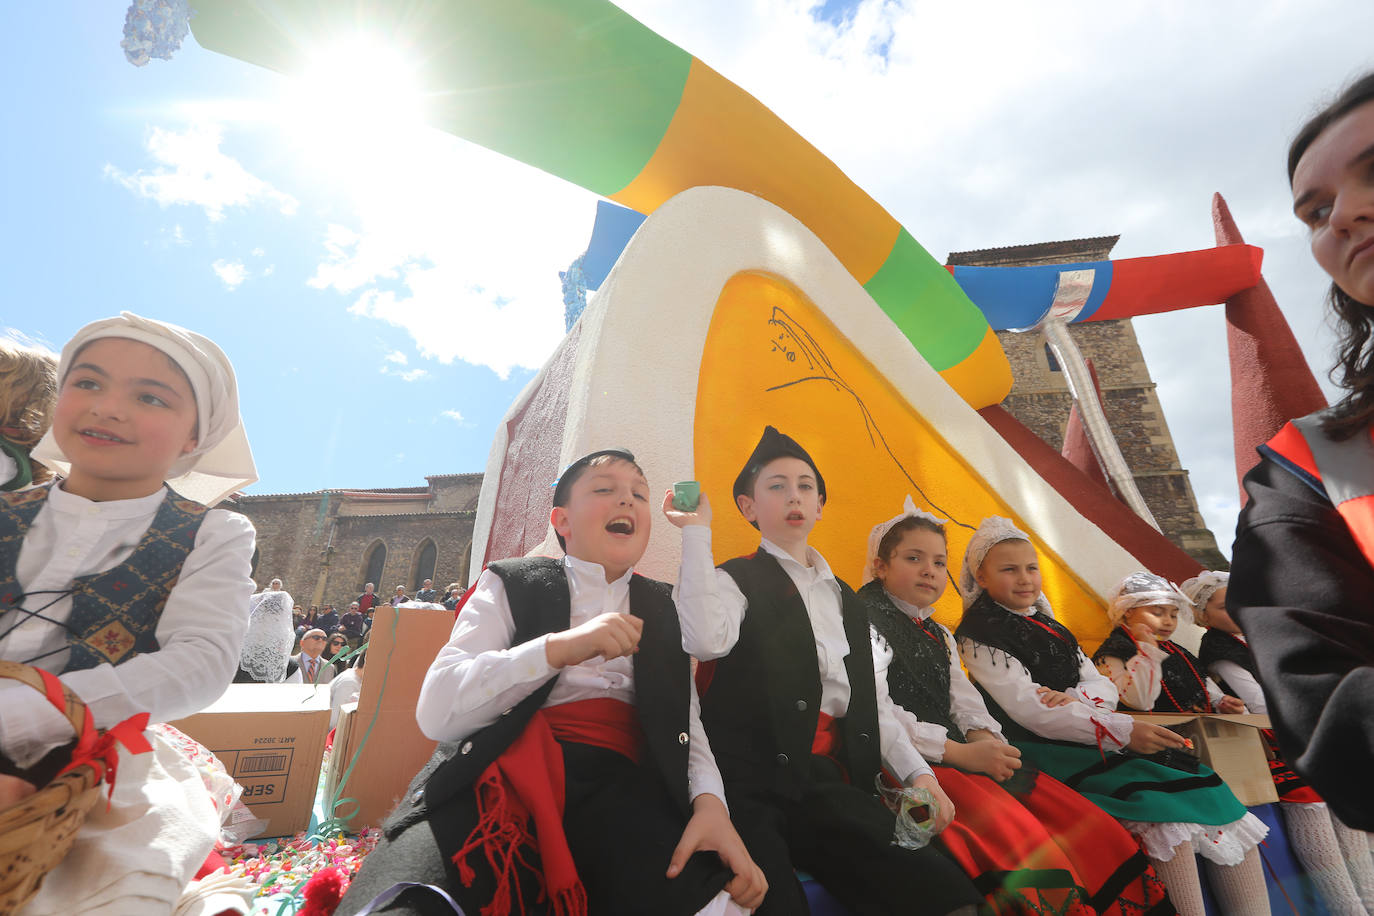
[[357, 100]]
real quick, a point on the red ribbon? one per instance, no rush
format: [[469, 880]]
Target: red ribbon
[[92, 747]]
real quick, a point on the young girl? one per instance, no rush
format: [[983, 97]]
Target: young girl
[[126, 589], [28, 389], [1022, 834], [1059, 711], [1326, 847], [1303, 562]]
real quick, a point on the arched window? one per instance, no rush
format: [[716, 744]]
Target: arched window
[[425, 558], [374, 562]]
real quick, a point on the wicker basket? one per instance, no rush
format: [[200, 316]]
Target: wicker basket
[[37, 832]]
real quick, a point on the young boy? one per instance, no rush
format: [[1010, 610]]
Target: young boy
[[791, 704], [564, 692]]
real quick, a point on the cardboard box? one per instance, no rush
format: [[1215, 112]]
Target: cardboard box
[[271, 739], [338, 759], [1232, 746], [389, 746]]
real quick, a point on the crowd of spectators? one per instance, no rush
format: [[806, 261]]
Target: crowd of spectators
[[350, 629]]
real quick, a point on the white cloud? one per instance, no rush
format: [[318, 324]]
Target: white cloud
[[231, 273], [454, 415], [397, 357], [257, 252], [406, 375], [192, 170]]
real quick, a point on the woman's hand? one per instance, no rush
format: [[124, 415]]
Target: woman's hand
[[1143, 632], [1147, 738], [1052, 698], [1231, 706], [994, 758]]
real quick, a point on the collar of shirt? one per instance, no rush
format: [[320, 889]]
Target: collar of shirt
[[815, 569], [909, 609], [1026, 612], [591, 594], [64, 503]]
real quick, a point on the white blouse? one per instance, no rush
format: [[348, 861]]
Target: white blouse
[[1011, 685], [712, 607], [199, 633], [966, 706], [1140, 679], [479, 675]]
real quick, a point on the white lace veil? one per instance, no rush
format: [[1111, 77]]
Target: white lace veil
[[1201, 588], [875, 537], [267, 645], [1142, 588]]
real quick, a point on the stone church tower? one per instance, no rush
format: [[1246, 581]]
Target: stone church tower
[[1040, 395]]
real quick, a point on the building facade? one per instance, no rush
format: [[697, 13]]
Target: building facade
[[324, 545], [1040, 396]]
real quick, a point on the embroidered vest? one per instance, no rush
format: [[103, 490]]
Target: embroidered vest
[[114, 613], [1184, 681], [762, 705], [1343, 472], [1223, 647], [918, 677], [1041, 643], [540, 603]]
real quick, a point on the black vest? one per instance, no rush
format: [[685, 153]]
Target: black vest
[[1047, 649], [1223, 647], [918, 677], [114, 613], [1183, 690], [764, 697], [540, 603]]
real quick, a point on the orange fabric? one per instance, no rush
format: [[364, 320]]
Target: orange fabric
[[1289, 443], [1359, 518]]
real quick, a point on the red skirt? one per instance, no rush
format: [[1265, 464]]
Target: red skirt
[[1291, 787], [1033, 845]]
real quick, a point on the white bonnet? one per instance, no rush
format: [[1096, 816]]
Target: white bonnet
[[1202, 587], [993, 531], [222, 461], [875, 537], [1142, 588]]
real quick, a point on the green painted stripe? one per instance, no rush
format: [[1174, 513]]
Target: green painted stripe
[[577, 88], [926, 304]]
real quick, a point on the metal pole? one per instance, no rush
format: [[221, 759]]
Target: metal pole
[[1070, 295]]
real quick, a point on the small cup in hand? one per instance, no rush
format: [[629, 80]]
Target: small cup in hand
[[686, 495]]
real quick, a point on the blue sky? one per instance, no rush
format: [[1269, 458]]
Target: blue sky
[[385, 291]]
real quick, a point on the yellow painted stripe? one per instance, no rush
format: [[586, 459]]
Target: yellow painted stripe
[[983, 377], [723, 136]]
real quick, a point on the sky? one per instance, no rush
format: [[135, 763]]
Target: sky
[[385, 290]]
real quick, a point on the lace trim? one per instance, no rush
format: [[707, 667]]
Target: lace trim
[[1225, 845], [267, 644]]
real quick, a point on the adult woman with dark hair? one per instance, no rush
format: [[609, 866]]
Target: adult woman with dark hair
[[1302, 576]]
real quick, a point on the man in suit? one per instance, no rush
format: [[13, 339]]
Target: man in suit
[[308, 667]]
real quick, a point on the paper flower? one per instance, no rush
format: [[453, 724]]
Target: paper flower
[[154, 28]]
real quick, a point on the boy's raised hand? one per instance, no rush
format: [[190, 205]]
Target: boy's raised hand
[[702, 515], [710, 828], [608, 635]]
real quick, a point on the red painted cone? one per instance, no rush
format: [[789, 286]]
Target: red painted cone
[[1271, 382]]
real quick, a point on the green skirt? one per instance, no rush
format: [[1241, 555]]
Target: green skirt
[[1135, 788]]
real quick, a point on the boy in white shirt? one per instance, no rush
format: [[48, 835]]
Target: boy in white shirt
[[564, 694], [790, 702]]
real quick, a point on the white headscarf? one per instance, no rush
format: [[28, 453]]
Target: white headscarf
[[875, 537], [1142, 588], [1201, 588], [993, 531], [222, 462]]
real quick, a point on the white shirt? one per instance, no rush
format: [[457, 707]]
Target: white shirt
[[1242, 682], [1140, 679], [478, 674], [1011, 685], [199, 633], [712, 607], [966, 706]]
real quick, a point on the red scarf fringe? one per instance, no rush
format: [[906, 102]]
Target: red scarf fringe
[[521, 798]]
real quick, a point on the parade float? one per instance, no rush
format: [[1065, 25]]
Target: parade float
[[740, 279]]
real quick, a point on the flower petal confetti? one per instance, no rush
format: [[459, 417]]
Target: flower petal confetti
[[154, 28]]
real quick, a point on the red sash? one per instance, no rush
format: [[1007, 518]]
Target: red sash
[[521, 798]]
